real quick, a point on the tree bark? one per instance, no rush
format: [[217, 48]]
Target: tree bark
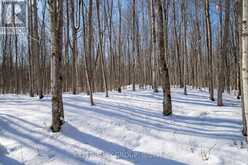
[[89, 52], [209, 50], [133, 42], [74, 48], [177, 46], [119, 48], [167, 107], [100, 33], [245, 62], [223, 53], [185, 47], [153, 38], [56, 15]]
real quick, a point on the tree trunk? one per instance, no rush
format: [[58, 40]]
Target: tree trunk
[[30, 56], [167, 107], [74, 48], [223, 53], [100, 33], [56, 15], [177, 48], [35, 53], [119, 48], [89, 50], [153, 57], [185, 47], [209, 50], [133, 42], [245, 62]]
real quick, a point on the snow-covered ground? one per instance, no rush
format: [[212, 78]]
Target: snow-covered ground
[[126, 128]]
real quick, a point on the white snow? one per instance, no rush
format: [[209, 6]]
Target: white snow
[[126, 128]]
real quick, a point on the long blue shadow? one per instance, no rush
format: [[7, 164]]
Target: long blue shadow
[[117, 150]]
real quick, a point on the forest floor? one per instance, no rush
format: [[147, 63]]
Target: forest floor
[[126, 128]]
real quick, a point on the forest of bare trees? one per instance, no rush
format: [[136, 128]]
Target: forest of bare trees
[[104, 45]]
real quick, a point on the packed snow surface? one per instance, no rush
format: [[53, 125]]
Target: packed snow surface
[[125, 128]]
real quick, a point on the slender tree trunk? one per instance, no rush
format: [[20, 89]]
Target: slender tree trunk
[[67, 46], [198, 75], [100, 33], [185, 79], [56, 15], [109, 14], [167, 107], [17, 89], [153, 42], [30, 57], [245, 63], [223, 53], [239, 13], [74, 48], [220, 74], [119, 48], [177, 46], [133, 42], [209, 50], [89, 48], [36, 52]]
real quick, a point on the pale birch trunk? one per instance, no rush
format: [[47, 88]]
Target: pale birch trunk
[[245, 60]]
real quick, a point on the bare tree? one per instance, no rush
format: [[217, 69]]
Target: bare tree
[[56, 15], [209, 50], [133, 41], [88, 55], [167, 107], [223, 52], [119, 47], [30, 56], [35, 73], [185, 57], [245, 61], [177, 46], [75, 27], [100, 33], [153, 47]]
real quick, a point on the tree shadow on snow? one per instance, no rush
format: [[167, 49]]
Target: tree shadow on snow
[[4, 159], [191, 98], [22, 134], [32, 139], [116, 150], [187, 125]]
